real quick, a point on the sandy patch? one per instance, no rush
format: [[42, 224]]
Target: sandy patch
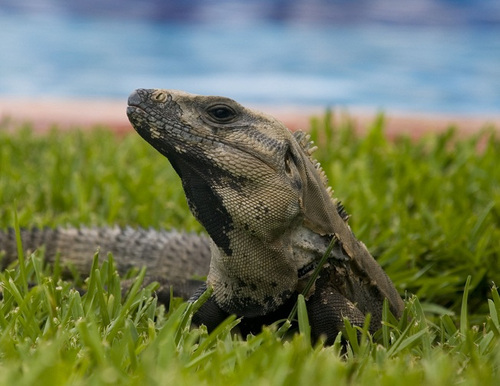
[[44, 114]]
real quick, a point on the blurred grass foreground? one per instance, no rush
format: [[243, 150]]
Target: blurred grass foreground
[[429, 210]]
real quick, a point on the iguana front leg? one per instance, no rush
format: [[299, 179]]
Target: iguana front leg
[[327, 309]]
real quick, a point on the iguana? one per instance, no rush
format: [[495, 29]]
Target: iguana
[[267, 208]]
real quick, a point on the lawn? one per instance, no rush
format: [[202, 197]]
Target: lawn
[[428, 210]]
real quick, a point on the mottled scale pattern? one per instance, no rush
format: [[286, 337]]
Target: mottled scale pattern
[[267, 208], [171, 258], [266, 204]]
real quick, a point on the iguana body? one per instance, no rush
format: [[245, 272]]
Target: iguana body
[[267, 209]]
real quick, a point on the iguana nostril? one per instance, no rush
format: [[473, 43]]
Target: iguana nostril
[[134, 99]]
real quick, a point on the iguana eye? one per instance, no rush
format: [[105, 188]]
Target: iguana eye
[[159, 96], [221, 113]]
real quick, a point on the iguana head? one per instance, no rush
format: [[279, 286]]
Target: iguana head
[[249, 181]]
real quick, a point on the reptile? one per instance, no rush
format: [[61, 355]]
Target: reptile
[[267, 208]]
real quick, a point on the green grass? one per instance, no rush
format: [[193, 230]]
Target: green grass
[[428, 210]]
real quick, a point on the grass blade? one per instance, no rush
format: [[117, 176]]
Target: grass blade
[[464, 317], [304, 326]]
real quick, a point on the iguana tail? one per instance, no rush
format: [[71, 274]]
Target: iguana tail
[[172, 258]]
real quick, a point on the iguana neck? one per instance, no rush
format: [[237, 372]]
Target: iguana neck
[[284, 266], [242, 289]]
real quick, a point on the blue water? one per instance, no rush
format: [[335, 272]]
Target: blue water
[[391, 66]]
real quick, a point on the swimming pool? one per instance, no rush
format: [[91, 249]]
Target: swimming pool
[[391, 67]]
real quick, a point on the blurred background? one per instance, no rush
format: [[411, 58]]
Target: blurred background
[[417, 56]]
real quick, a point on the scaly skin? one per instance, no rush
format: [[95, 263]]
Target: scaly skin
[[267, 208], [171, 258]]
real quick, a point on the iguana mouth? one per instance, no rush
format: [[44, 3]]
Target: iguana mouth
[[134, 100], [135, 105], [132, 110]]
